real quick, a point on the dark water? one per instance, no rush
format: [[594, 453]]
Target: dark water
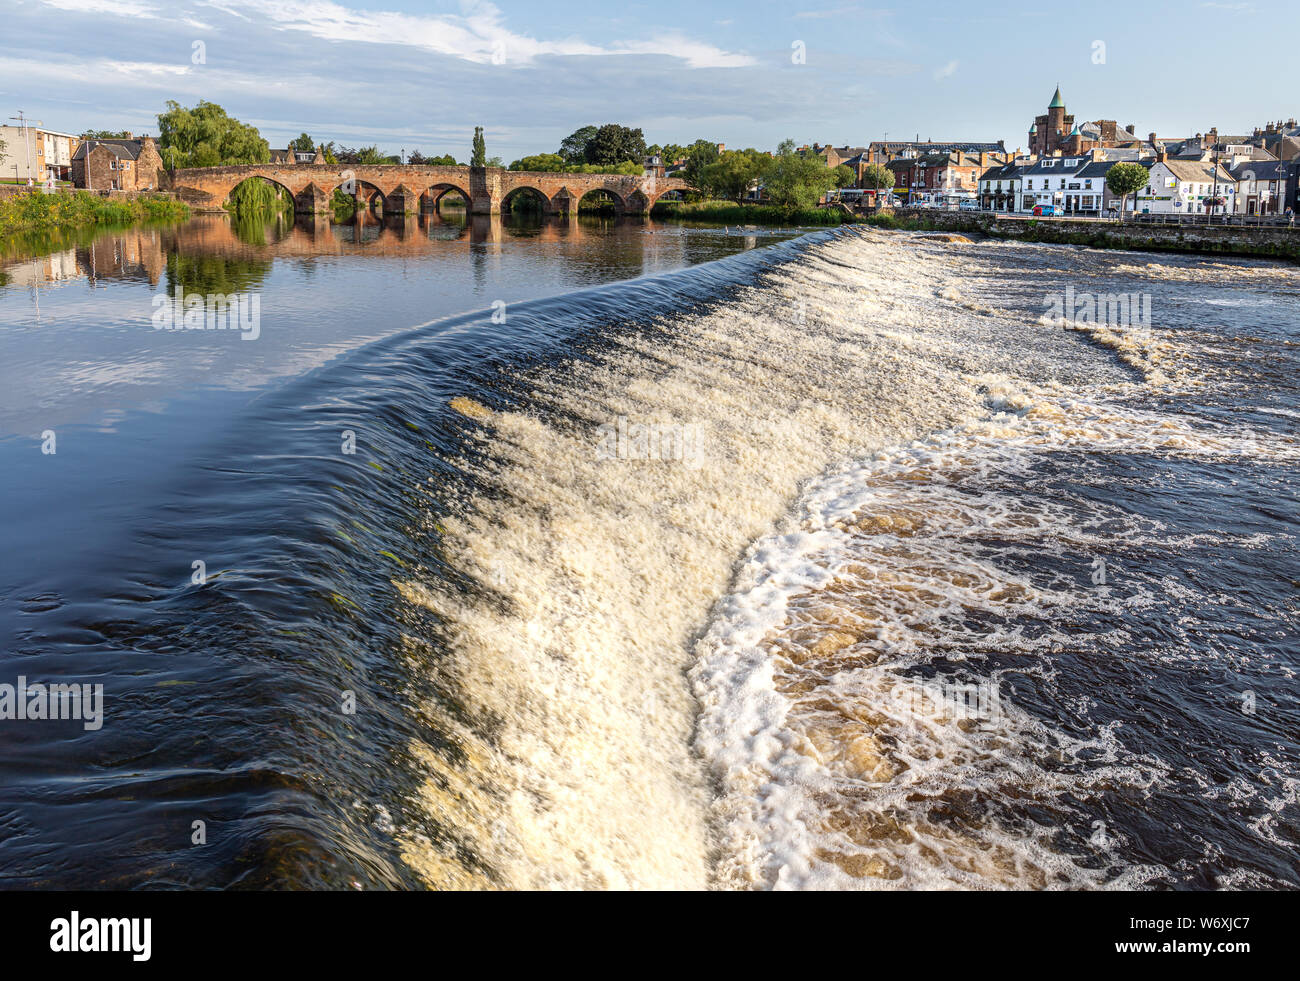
[[1153, 741], [223, 700]]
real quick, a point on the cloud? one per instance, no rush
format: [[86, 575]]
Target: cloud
[[946, 71], [478, 36], [118, 8]]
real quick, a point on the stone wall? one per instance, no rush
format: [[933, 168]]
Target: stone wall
[[1278, 243]]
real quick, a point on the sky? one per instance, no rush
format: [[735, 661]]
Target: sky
[[407, 75]]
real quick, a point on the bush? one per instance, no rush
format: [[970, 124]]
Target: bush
[[749, 214], [29, 212]]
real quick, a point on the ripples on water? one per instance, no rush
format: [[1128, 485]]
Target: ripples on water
[[719, 657]]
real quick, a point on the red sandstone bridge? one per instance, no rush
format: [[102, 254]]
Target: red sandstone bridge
[[409, 189]]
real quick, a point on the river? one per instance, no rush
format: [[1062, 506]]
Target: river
[[614, 554]]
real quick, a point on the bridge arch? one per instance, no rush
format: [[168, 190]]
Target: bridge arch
[[280, 198], [527, 196], [599, 197], [432, 196]]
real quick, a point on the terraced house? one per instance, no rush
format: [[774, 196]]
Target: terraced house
[[117, 165]]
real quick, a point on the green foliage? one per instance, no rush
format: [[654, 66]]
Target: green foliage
[[544, 163], [206, 136], [478, 154], [732, 174], [796, 182], [446, 160], [1127, 178], [843, 176], [877, 177], [259, 197], [28, 212], [730, 213], [669, 152], [573, 148], [105, 134], [699, 155], [613, 144], [303, 144]]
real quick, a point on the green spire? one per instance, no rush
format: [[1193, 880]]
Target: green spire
[[1057, 102]]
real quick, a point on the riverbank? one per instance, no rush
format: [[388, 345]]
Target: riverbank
[[36, 211], [729, 213], [1270, 243]]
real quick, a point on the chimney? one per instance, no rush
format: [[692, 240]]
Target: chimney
[[1152, 139], [1161, 155], [984, 158]]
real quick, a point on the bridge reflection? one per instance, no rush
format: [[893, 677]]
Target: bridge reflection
[[149, 253]]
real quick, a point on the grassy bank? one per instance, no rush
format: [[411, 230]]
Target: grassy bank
[[729, 213], [34, 212]]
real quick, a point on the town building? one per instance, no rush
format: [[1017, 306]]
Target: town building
[[36, 154], [1054, 180], [117, 165], [1187, 187], [1261, 186], [999, 187]]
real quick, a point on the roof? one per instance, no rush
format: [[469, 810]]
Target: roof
[[1262, 170], [1055, 166], [1057, 102], [1195, 170], [122, 149], [1097, 169], [1007, 172]]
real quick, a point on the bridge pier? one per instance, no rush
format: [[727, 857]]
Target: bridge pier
[[311, 200], [402, 201], [563, 205]]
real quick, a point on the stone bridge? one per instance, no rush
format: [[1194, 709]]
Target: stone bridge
[[411, 189]]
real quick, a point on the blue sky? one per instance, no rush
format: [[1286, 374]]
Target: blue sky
[[409, 75]]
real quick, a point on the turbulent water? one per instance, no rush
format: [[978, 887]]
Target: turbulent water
[[841, 563]]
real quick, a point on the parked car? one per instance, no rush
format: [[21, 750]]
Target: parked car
[[969, 206], [1048, 211]]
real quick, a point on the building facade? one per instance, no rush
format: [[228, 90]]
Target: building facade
[[117, 165]]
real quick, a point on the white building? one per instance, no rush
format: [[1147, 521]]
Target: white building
[[1183, 187], [32, 153], [1261, 186], [1048, 180]]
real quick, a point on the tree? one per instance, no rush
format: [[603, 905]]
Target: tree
[[699, 155], [843, 176], [613, 144], [1125, 179], [733, 173], [331, 157], [573, 148], [546, 163], [446, 160], [371, 155], [416, 158], [105, 134], [877, 177], [669, 152], [478, 155], [797, 181], [206, 136], [303, 144]]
